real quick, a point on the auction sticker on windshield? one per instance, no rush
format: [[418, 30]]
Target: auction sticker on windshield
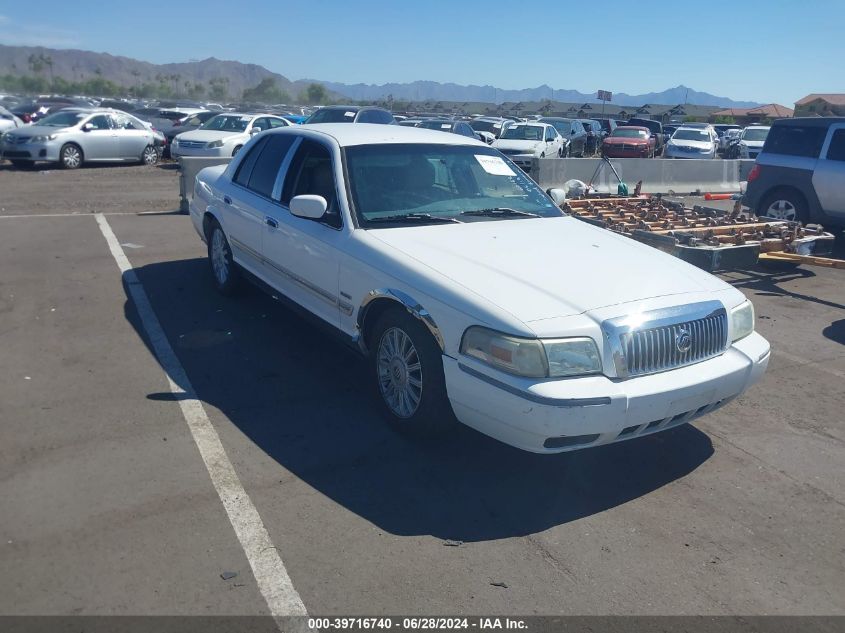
[[494, 165]]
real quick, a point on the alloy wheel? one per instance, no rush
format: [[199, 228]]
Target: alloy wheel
[[782, 210], [71, 157], [399, 373], [220, 256]]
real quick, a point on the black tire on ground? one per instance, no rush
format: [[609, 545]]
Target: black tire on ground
[[224, 271], [70, 156], [784, 204], [406, 375], [150, 155]]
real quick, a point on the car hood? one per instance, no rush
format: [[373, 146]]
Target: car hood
[[624, 140], [37, 130], [207, 136], [526, 146], [695, 144], [550, 267]]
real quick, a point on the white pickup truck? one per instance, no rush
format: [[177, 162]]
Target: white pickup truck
[[472, 295]]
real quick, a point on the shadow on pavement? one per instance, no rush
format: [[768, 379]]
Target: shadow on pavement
[[302, 399], [836, 331]]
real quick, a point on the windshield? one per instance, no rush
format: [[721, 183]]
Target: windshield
[[441, 181], [524, 133], [227, 123], [690, 135], [629, 133], [755, 134], [332, 115], [494, 127], [436, 125], [563, 127], [62, 119]]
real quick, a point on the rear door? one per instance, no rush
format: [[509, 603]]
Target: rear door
[[829, 177], [132, 137], [248, 199]]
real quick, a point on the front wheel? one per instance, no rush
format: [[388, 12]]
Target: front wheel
[[223, 270], [70, 156], [406, 366]]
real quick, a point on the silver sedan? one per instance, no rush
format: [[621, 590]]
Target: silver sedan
[[76, 135]]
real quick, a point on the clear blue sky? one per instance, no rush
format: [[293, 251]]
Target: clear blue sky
[[767, 51]]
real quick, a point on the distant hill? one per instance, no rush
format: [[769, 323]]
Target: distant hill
[[77, 65], [434, 91]]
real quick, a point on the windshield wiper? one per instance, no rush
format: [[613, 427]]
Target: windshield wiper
[[415, 218], [502, 212]]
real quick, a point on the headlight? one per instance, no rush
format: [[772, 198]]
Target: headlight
[[43, 138], [742, 321], [532, 358], [214, 144]]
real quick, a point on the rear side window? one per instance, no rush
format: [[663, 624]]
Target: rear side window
[[836, 150], [245, 168], [266, 167], [795, 140]]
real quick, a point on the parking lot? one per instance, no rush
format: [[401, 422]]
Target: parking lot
[[115, 499]]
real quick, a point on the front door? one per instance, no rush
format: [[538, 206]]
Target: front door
[[100, 141], [302, 254]]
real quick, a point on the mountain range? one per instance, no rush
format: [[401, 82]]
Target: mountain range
[[77, 65]]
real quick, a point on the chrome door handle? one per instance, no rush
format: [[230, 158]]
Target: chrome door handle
[[271, 222]]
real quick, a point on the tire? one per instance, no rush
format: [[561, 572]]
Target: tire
[[224, 271], [150, 155], [70, 156], [236, 150], [784, 204], [403, 352]]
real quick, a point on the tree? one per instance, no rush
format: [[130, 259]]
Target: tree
[[36, 63], [314, 94], [219, 88], [266, 92]]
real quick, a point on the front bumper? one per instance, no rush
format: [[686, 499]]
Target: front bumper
[[563, 415], [673, 152], [625, 152], [30, 151]]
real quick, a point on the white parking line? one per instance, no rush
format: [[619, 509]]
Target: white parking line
[[267, 566], [62, 215]]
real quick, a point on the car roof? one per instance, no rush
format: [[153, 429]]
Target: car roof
[[642, 128], [809, 121], [378, 133]]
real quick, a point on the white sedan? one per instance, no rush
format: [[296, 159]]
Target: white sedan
[[472, 295], [224, 134], [524, 142], [692, 142]]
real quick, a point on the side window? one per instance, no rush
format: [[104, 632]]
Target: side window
[[260, 123], [311, 173], [795, 140], [274, 123], [100, 122], [267, 165], [836, 150], [244, 171], [550, 135], [125, 123]]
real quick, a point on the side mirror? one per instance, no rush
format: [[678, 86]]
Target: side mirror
[[558, 195], [255, 130], [308, 207], [87, 127]]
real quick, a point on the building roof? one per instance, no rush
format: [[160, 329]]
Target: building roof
[[773, 110], [833, 99]]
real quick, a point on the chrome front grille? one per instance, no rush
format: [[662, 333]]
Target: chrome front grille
[[667, 339], [191, 144]]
